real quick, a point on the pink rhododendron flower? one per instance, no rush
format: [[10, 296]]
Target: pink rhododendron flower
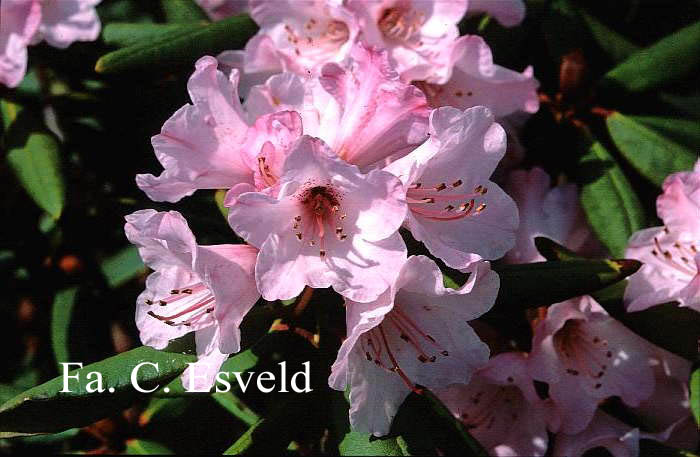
[[454, 209], [212, 143], [298, 35], [27, 22], [618, 438], [500, 407], [586, 356], [206, 289], [326, 224], [507, 12], [221, 9], [416, 332], [361, 109], [671, 254], [474, 80], [668, 409], [552, 212], [414, 32]]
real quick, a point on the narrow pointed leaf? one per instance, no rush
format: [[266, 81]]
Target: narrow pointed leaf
[[127, 34], [616, 46], [173, 50], [669, 60], [608, 199], [182, 11], [649, 150], [122, 266], [146, 447], [61, 313], [545, 283], [45, 409]]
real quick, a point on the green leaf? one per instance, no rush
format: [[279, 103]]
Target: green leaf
[[122, 266], [551, 250], [61, 313], [145, 447], [235, 406], [355, 443], [682, 131], [616, 46], [544, 283], [45, 409], [182, 11], [669, 60], [611, 205], [272, 434], [686, 103], [173, 49], [649, 150], [695, 393], [164, 410], [128, 33], [36, 162]]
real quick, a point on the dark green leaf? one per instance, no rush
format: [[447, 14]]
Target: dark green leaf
[[522, 285], [175, 49], [616, 46], [36, 162], [236, 407], [683, 131], [272, 434], [128, 34], [687, 103], [61, 313], [182, 11], [649, 150], [611, 205], [551, 250], [45, 409], [669, 60]]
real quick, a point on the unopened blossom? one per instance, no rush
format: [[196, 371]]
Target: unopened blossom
[[620, 439], [475, 80], [500, 408], [508, 13], [414, 32], [415, 333], [205, 289], [360, 108], [552, 212], [325, 224], [214, 144], [221, 9], [28, 22], [454, 209], [586, 356], [671, 254]]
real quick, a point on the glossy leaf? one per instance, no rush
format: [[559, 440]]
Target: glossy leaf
[[236, 407], [608, 199], [172, 49], [128, 34], [36, 162], [650, 150], [182, 11], [683, 131], [522, 285], [669, 60], [45, 409], [61, 313]]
